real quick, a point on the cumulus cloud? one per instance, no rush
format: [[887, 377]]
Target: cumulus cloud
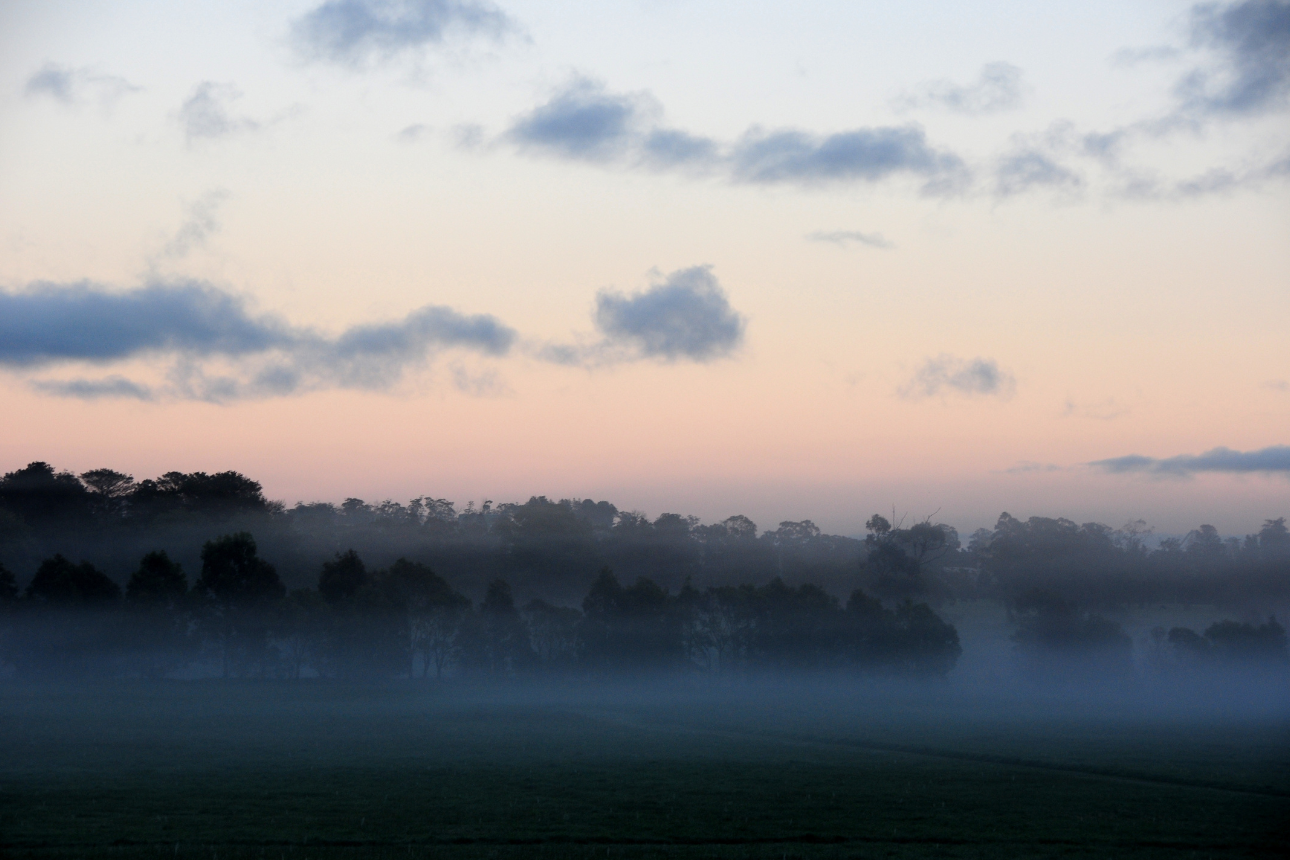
[[585, 122], [997, 88], [72, 86], [1274, 459], [353, 32], [946, 374], [218, 349], [685, 315], [207, 113], [850, 237], [1252, 40]]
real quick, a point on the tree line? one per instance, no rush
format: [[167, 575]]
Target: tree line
[[1060, 581], [238, 619]]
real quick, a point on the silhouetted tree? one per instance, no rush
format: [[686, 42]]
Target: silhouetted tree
[[158, 624], [1059, 642], [59, 583], [240, 588]]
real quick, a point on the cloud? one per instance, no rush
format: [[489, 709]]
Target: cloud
[[997, 88], [115, 387], [1252, 39], [51, 322], [218, 350], [1277, 385], [354, 32], [1029, 467], [946, 374], [868, 155], [1103, 410], [412, 133], [848, 237], [1274, 459], [199, 224], [685, 315], [73, 86], [1026, 169], [205, 114], [585, 122]]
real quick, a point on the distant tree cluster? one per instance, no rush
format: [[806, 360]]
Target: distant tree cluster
[[407, 621], [726, 596]]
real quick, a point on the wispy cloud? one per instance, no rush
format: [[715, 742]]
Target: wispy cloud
[[1274, 459], [1281, 385], [207, 113], [850, 237], [355, 32], [1102, 410], [200, 222], [946, 374], [1028, 168], [72, 86], [1029, 467], [997, 88]]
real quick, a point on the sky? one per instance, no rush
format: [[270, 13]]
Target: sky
[[810, 260]]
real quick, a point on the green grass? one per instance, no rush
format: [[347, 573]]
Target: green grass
[[328, 770]]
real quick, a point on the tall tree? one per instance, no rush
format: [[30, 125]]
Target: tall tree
[[240, 588]]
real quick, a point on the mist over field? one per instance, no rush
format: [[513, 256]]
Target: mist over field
[[513, 429]]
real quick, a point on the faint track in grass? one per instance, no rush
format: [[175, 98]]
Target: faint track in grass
[[934, 752]]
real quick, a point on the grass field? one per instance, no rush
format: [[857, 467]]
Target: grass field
[[314, 769]]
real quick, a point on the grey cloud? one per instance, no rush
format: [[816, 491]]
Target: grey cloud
[[1027, 169], [86, 322], [74, 85], [206, 114], [1275, 458], [583, 122], [1029, 467], [997, 88], [848, 237], [666, 147], [199, 223], [869, 154], [412, 133], [948, 374], [356, 31], [198, 327], [1277, 385], [1253, 39], [115, 387], [686, 315]]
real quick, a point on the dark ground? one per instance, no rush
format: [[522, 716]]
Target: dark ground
[[326, 769]]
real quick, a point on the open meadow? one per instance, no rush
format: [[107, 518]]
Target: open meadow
[[824, 769]]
